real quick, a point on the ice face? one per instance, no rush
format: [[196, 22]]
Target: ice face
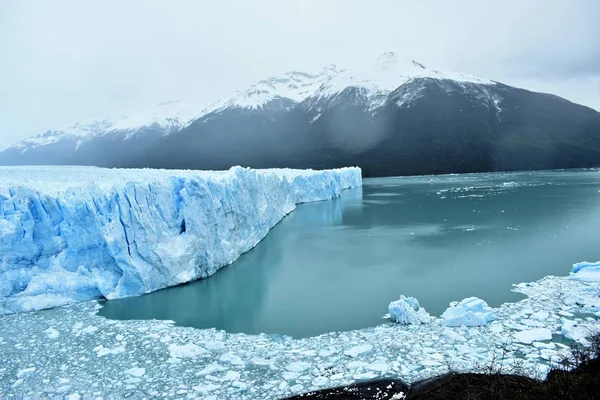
[[469, 312], [77, 233], [407, 310]]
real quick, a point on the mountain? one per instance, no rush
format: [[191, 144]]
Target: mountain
[[103, 142], [391, 117]]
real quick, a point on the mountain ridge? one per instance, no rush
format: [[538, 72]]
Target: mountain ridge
[[385, 117]]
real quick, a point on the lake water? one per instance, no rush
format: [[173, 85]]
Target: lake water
[[335, 265]]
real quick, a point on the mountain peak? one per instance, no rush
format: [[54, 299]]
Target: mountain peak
[[386, 58], [418, 64], [388, 72], [169, 102], [293, 85], [392, 60]]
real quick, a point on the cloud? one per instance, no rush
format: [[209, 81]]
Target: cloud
[[67, 60]]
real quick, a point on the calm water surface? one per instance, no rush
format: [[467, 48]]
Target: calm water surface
[[335, 265]]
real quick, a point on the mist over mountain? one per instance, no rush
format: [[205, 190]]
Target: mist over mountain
[[391, 117]]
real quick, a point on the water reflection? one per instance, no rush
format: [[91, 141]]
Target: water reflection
[[335, 265]]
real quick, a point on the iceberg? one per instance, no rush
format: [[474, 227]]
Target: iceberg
[[471, 311], [586, 271], [70, 234], [408, 311]]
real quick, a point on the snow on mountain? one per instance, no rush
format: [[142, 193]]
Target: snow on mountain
[[386, 74], [375, 81], [169, 116], [293, 85], [77, 233]]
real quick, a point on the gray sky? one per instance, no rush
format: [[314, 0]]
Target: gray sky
[[62, 61]]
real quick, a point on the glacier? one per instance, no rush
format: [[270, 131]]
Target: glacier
[[70, 234]]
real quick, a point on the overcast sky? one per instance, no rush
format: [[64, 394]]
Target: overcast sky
[[61, 61]]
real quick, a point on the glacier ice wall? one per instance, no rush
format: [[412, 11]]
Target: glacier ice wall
[[77, 233]]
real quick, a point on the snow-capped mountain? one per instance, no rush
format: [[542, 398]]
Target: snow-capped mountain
[[103, 141], [169, 116], [387, 73], [393, 116], [294, 86]]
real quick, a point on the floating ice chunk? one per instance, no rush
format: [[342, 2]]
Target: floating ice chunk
[[378, 367], [25, 371], [586, 271], [288, 376], [102, 351], [297, 388], [232, 376], [454, 335], [358, 350], [210, 369], [471, 311], [205, 389], [365, 375], [540, 315], [231, 358], [52, 333], [136, 372], [188, 350], [357, 364], [320, 381], [298, 366], [239, 385], [214, 345], [540, 345], [577, 331], [89, 329], [533, 335], [407, 310]]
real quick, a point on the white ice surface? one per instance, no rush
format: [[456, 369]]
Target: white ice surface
[[77, 233], [468, 312], [533, 335]]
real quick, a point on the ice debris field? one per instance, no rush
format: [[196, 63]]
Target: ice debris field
[[79, 233], [70, 351]]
